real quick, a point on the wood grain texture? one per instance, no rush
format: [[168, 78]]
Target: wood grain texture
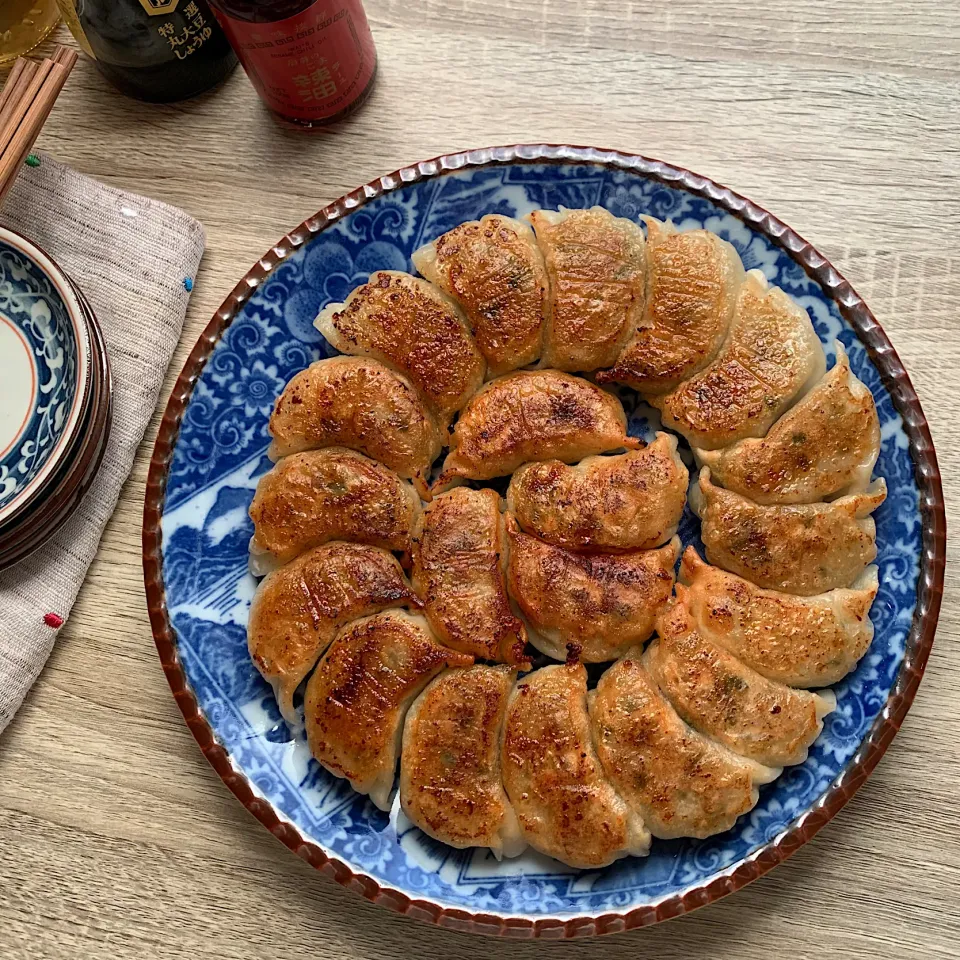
[[116, 838]]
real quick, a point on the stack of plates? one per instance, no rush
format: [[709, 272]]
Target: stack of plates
[[54, 397]]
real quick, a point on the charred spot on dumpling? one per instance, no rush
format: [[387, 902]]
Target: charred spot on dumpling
[[693, 278], [771, 355], [494, 271], [358, 696], [596, 264], [596, 604], [827, 444], [314, 497], [723, 698], [803, 549], [614, 503], [564, 801], [531, 416], [458, 561], [412, 327]]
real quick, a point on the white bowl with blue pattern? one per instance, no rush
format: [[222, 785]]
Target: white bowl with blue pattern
[[45, 372], [211, 451]]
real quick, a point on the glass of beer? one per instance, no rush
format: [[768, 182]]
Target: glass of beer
[[23, 24]]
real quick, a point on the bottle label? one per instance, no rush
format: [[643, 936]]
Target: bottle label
[[188, 34], [311, 65], [156, 8]]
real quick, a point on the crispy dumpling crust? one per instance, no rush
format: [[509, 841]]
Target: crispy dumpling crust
[[681, 783], [632, 501], [824, 446], [494, 270], [803, 549], [458, 569], [409, 325], [566, 806], [771, 355], [799, 641], [533, 415], [359, 694], [596, 264], [722, 698], [693, 277], [313, 497], [676, 737], [361, 404], [450, 782], [298, 608], [600, 603]]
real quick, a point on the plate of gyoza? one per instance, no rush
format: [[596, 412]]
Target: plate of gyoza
[[543, 541]]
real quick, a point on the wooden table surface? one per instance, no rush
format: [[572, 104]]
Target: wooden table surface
[[843, 118]]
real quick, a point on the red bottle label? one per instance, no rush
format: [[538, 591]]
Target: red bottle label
[[310, 66]]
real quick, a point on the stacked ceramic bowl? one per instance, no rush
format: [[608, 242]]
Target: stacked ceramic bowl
[[54, 397]]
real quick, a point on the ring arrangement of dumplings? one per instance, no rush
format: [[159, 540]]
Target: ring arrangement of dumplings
[[411, 611]]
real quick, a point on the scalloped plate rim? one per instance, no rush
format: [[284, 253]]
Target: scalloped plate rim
[[875, 741]]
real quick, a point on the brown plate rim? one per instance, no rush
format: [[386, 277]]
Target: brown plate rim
[[919, 641]]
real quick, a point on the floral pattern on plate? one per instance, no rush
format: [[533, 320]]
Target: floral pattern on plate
[[41, 357]]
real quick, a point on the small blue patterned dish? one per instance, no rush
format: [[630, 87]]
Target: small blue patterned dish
[[211, 451], [45, 372]]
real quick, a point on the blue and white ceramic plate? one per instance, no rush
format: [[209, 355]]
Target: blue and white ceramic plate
[[212, 450], [44, 370]]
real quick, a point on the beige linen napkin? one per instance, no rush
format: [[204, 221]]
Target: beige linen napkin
[[130, 256]]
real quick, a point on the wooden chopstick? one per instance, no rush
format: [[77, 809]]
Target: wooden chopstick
[[20, 67], [23, 106], [16, 151], [13, 90], [25, 103], [65, 56]]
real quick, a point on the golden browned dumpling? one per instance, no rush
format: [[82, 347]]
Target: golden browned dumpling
[[361, 404], [450, 784], [566, 806], [360, 692], [800, 641], [297, 609], [408, 324], [803, 549], [632, 501], [494, 270], [334, 494], [458, 569], [724, 699], [600, 603], [596, 264], [826, 445], [693, 278], [679, 782], [533, 415], [771, 355]]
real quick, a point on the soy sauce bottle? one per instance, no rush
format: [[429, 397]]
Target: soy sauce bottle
[[158, 50], [313, 62]]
